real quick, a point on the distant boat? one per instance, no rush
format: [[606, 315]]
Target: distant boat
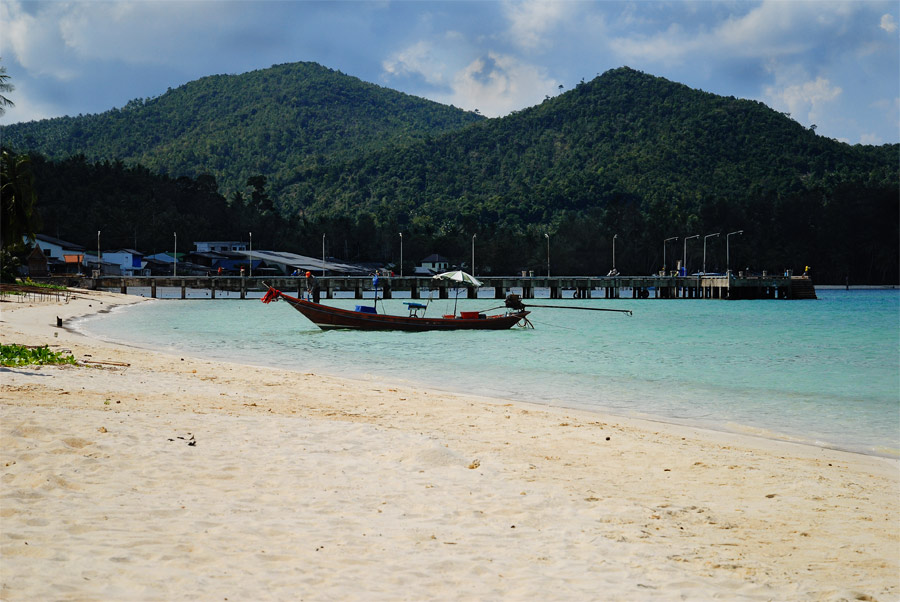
[[365, 318]]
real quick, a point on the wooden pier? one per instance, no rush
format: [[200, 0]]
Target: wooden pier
[[580, 287]]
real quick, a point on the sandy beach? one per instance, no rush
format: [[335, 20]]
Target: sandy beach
[[146, 476]]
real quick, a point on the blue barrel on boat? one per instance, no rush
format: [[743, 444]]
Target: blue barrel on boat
[[365, 309]]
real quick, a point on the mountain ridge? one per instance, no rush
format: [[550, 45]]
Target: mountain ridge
[[222, 124]]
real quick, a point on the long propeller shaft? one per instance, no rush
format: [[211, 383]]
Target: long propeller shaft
[[624, 311]]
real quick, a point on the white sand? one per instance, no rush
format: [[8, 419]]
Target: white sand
[[308, 487]]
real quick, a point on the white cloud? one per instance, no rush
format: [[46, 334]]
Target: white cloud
[[668, 48], [418, 59], [888, 23], [806, 101], [57, 38], [768, 30], [891, 111], [497, 84], [27, 108], [873, 139], [773, 28], [491, 82], [459, 71], [531, 21], [140, 32], [36, 43]]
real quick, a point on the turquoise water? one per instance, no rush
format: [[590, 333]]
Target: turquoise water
[[823, 372]]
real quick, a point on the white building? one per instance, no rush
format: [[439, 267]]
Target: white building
[[434, 264], [64, 256], [130, 262], [56, 248], [220, 246]]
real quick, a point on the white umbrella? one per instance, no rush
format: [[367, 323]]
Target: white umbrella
[[460, 277]]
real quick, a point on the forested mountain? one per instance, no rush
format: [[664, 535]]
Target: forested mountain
[[268, 122], [625, 154], [641, 157]]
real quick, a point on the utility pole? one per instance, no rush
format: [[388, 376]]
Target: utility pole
[[615, 236], [728, 251], [664, 252], [704, 250], [547, 236], [684, 257]]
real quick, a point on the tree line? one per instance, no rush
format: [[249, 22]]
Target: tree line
[[845, 231]]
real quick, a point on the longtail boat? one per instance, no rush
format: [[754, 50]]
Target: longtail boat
[[364, 317]]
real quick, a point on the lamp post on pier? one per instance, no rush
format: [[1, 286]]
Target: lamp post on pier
[[684, 257], [175, 256], [323, 254], [401, 254], [473, 253], [664, 252], [547, 236], [615, 236], [728, 251], [251, 254], [704, 249]]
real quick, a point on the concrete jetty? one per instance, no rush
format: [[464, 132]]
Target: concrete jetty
[[708, 286]]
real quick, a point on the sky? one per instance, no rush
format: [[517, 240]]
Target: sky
[[832, 65]]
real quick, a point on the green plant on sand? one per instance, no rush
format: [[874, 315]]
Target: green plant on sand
[[21, 355]]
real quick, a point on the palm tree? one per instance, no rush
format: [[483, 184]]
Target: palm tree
[[18, 217], [17, 197], [5, 88]]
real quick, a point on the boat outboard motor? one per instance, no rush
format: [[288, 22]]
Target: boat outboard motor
[[514, 302]]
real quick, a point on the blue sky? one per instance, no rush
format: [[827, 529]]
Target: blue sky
[[835, 65]]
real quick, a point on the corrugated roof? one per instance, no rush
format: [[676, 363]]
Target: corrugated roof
[[303, 262], [57, 241]]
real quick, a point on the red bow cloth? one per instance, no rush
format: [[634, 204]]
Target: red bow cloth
[[271, 295]]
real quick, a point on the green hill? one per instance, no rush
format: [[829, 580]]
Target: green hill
[[625, 132], [268, 122], [626, 154], [641, 157]]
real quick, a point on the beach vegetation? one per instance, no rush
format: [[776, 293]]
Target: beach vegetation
[[22, 355], [46, 285]]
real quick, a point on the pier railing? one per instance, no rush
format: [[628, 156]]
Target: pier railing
[[708, 286]]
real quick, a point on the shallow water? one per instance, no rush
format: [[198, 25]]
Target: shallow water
[[824, 372]]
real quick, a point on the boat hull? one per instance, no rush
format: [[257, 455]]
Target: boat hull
[[327, 317]]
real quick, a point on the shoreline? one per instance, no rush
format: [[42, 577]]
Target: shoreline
[[313, 486], [725, 426]]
